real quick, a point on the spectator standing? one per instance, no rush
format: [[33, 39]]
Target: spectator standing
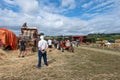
[[58, 45], [49, 44], [42, 51], [55, 43], [22, 44], [62, 46], [78, 42]]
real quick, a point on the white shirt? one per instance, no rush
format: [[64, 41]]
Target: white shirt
[[67, 43], [49, 42], [42, 44]]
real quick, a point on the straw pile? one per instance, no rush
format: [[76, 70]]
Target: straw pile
[[2, 54], [115, 45], [117, 41]]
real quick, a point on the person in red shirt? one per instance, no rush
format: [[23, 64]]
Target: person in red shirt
[[62, 46]]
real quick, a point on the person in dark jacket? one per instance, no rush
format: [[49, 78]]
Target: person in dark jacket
[[22, 44]]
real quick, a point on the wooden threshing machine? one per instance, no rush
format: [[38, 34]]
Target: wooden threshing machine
[[30, 35]]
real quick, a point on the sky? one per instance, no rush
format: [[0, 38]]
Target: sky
[[61, 17]]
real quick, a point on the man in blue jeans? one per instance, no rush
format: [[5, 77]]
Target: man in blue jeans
[[42, 48]]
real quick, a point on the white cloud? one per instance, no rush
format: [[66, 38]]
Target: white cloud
[[9, 1], [64, 6], [101, 5], [105, 8], [8, 17], [86, 5], [27, 6], [68, 3], [104, 24], [55, 24]]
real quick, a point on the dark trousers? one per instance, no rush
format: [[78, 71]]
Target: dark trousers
[[55, 45], [40, 55]]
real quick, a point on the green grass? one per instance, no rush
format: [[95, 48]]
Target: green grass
[[96, 65]]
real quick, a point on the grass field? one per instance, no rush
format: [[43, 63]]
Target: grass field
[[84, 64]]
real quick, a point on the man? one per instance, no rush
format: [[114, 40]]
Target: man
[[42, 48], [55, 43], [22, 44], [78, 42], [49, 44], [62, 46]]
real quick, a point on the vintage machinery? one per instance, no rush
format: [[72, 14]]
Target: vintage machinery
[[30, 35]]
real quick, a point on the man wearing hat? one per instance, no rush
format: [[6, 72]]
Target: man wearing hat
[[42, 48]]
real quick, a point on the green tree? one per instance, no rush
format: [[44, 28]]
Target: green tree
[[41, 33]]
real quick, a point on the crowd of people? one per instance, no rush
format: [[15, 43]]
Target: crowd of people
[[43, 45]]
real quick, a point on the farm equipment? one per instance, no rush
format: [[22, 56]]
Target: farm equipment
[[30, 35], [8, 40]]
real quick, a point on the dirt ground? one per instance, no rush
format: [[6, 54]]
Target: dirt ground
[[80, 65]]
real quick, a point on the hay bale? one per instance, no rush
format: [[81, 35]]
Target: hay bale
[[98, 42], [115, 45], [117, 41], [2, 54]]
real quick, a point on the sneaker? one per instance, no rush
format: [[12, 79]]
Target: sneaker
[[46, 64]]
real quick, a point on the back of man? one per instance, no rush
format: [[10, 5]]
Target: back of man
[[22, 44], [50, 43], [42, 46]]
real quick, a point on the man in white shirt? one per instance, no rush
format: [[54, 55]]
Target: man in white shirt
[[49, 43], [42, 46]]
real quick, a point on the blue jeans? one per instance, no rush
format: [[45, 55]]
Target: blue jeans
[[40, 55]]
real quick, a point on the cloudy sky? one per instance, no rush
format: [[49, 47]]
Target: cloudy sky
[[62, 17]]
